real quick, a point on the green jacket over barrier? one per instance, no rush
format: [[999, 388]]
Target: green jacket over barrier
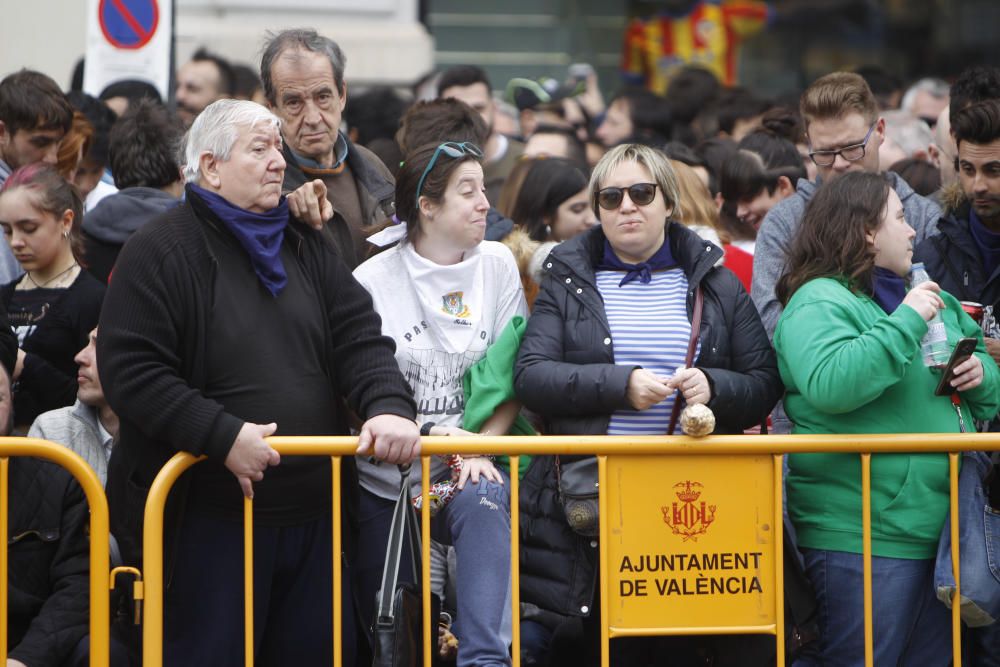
[[490, 382], [848, 367]]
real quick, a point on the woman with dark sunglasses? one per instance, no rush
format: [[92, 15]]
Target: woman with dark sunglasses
[[604, 353], [445, 296]]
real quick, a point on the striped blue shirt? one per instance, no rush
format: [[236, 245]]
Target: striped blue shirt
[[650, 328]]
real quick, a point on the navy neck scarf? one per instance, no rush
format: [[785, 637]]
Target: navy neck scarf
[[643, 271], [888, 289], [260, 234], [987, 241]]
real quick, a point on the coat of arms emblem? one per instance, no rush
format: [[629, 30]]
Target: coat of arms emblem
[[688, 518], [452, 304]]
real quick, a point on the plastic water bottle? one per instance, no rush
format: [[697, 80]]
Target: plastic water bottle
[[934, 345]]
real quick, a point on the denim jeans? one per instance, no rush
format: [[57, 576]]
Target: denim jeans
[[477, 523], [910, 625], [981, 646]]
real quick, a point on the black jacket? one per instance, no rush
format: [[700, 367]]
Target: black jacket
[[952, 260], [49, 592], [565, 372], [153, 341]]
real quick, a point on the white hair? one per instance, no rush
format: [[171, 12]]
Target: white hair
[[936, 88], [910, 133], [217, 128]]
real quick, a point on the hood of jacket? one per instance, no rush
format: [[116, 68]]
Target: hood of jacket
[[953, 200], [805, 189], [121, 214]]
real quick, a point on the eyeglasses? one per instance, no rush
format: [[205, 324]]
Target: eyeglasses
[[851, 153], [641, 194], [452, 150]]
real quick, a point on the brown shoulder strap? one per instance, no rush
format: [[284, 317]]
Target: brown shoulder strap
[[699, 302]]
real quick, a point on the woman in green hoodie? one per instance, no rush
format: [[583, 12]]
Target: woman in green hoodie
[[848, 347]]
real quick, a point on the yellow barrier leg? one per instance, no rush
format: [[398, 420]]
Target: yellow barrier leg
[[956, 599], [338, 606], [866, 547], [4, 514], [602, 504], [779, 560], [152, 549], [515, 560], [425, 558], [248, 581]]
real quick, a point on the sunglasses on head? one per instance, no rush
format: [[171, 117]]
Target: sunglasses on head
[[641, 194], [453, 150]]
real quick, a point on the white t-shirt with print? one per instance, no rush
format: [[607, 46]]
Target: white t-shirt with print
[[442, 318]]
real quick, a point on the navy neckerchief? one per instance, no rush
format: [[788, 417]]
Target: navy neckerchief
[[987, 241], [260, 234], [888, 289], [643, 271]]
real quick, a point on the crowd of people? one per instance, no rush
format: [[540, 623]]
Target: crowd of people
[[266, 255]]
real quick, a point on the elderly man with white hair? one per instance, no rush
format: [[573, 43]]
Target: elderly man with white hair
[[228, 321], [925, 99]]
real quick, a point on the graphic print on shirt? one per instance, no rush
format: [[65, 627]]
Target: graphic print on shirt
[[436, 378], [24, 320], [452, 305]]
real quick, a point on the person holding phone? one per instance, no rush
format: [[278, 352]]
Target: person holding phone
[[849, 353]]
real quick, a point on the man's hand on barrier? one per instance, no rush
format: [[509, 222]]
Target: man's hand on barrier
[[250, 455], [11, 662], [390, 438], [309, 204]]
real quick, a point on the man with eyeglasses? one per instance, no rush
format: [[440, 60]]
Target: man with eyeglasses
[[844, 132]]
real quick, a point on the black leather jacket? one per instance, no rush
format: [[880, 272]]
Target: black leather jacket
[[565, 372], [49, 563]]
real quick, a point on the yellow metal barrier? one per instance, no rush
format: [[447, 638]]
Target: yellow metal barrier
[[603, 447], [99, 538]]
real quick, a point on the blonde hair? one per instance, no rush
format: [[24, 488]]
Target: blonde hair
[[835, 95], [695, 205], [655, 162]]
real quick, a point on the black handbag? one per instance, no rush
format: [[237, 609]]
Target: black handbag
[[397, 631], [577, 480], [578, 492]]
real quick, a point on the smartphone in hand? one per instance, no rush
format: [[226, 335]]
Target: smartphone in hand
[[963, 350]]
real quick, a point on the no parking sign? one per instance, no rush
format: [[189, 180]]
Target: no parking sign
[[128, 39], [128, 24]]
